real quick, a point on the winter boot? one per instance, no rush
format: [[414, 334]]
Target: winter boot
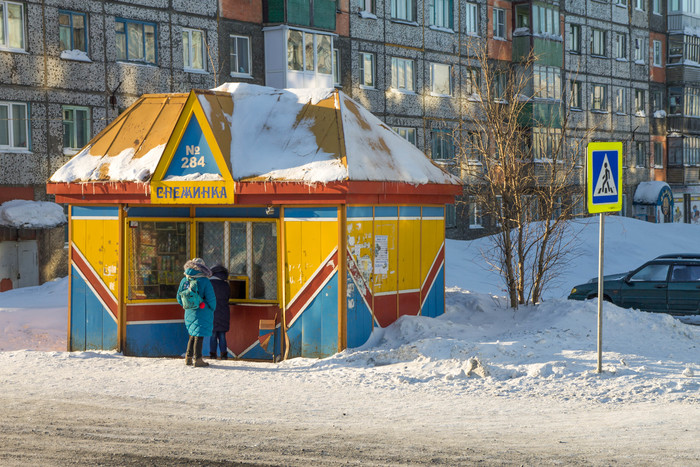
[[212, 356], [190, 351], [198, 362], [224, 356]]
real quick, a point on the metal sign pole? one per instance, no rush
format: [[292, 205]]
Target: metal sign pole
[[601, 236]]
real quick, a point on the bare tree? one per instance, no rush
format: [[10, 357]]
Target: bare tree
[[521, 160]]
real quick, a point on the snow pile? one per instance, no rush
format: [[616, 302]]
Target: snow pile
[[75, 54], [648, 192], [24, 214]]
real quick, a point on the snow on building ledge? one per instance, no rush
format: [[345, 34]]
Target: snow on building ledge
[[24, 214]]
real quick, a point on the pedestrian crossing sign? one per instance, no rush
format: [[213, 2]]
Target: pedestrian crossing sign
[[604, 177]]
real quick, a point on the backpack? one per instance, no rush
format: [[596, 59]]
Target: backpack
[[189, 295]]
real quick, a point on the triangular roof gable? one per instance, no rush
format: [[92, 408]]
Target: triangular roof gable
[[192, 168]]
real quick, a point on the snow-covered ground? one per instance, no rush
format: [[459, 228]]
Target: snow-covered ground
[[479, 350]]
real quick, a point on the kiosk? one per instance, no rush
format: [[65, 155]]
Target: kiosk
[[330, 223]]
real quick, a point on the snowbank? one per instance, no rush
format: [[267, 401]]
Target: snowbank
[[26, 214]]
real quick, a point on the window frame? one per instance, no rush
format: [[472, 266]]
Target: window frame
[[603, 100], [658, 155], [476, 219], [499, 23], [336, 67], [74, 136], [403, 63], [71, 14], [639, 51], [599, 39], [577, 91], [403, 10], [433, 68], [373, 70], [406, 132], [471, 20], [234, 38], [619, 45], [574, 38], [445, 15], [640, 154], [188, 66], [657, 54], [11, 146], [443, 137], [126, 22], [315, 44], [4, 39], [621, 101], [640, 102]]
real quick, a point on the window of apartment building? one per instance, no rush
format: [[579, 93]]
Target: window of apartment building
[[656, 7], [500, 82], [556, 208], [544, 142], [547, 82], [657, 100], [621, 2], [473, 84], [640, 102], [675, 49], [72, 32], [442, 145], [575, 38], [640, 153], [441, 13], [576, 95], [409, 134], [239, 50], [11, 26], [640, 5], [136, 40], [472, 147], [619, 45], [367, 5], [472, 19], [545, 19], [193, 49], [691, 150], [450, 215], [598, 37], [639, 51], [309, 52], [621, 101], [402, 74], [599, 98], [475, 218], [658, 155], [499, 23], [76, 126], [402, 9], [522, 16], [440, 79], [367, 69], [691, 100], [675, 100], [658, 58], [336, 67], [14, 127]]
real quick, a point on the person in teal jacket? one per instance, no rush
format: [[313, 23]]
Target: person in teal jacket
[[199, 321]]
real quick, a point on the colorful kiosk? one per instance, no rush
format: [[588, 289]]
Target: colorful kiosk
[[329, 222]]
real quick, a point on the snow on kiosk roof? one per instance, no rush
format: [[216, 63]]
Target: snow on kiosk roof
[[251, 138], [329, 223]]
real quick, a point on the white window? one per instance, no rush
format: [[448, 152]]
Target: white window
[[309, 52], [640, 102], [475, 221], [575, 38], [441, 13], [621, 2], [545, 20], [473, 84], [640, 5], [402, 9], [440, 79], [409, 134], [472, 20], [193, 49], [600, 97], [547, 82], [239, 50], [72, 32], [656, 7], [367, 70], [11, 25], [658, 155], [499, 23], [658, 59], [14, 128], [135, 41], [402, 74], [336, 67], [367, 5], [621, 100], [639, 50], [619, 45], [598, 42], [76, 126], [442, 145]]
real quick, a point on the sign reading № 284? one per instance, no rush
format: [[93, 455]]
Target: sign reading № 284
[[604, 177]]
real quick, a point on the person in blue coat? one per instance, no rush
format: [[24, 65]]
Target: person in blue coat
[[222, 312], [199, 321]]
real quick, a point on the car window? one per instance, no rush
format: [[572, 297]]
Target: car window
[[685, 273], [652, 272]]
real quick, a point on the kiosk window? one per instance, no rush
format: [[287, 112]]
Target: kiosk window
[[248, 250], [158, 250]]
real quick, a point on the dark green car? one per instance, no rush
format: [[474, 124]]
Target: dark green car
[[667, 284]]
